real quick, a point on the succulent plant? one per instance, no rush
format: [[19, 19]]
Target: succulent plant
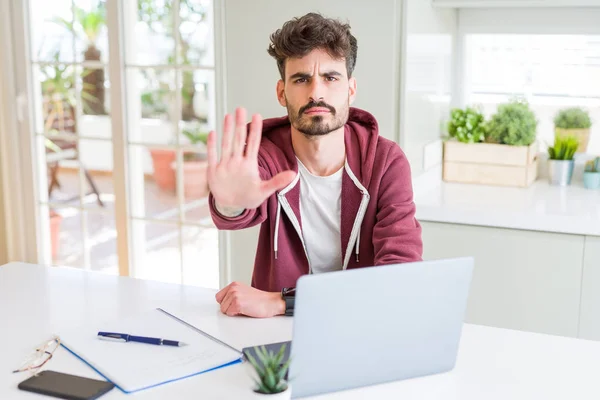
[[564, 148], [271, 372]]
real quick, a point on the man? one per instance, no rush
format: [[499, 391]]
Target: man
[[330, 193]]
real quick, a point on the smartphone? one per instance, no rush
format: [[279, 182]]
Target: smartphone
[[66, 386]]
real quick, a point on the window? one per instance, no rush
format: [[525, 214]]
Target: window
[[168, 106], [550, 71]]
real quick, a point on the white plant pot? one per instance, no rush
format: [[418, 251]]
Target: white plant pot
[[286, 395]]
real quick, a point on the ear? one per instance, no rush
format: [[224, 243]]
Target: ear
[[281, 93], [351, 90]]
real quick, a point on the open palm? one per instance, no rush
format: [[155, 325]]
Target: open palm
[[234, 180]]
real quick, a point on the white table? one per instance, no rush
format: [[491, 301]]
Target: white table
[[36, 302]]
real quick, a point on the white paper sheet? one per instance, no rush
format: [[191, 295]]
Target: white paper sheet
[[134, 366]]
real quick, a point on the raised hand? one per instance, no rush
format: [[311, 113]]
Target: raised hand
[[234, 180]]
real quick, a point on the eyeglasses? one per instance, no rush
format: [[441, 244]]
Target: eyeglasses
[[42, 354]]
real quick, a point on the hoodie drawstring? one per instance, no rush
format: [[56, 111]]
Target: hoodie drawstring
[[276, 233], [357, 244]]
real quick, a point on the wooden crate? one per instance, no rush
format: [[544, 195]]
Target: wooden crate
[[490, 164]]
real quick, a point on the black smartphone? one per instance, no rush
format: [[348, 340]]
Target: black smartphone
[[66, 386]]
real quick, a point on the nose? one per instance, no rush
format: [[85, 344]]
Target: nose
[[317, 89]]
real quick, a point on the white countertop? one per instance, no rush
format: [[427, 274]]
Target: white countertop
[[495, 364], [540, 207]]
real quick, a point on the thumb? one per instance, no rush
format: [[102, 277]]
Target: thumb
[[279, 181]]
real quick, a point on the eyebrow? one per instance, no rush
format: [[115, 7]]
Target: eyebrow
[[298, 75]]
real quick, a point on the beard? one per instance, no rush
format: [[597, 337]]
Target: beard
[[317, 125]]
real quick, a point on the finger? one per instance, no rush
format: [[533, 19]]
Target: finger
[[241, 131], [278, 182], [222, 293], [226, 144], [234, 307], [227, 302], [211, 148], [254, 136]]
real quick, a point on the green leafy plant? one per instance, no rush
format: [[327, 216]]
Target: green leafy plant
[[514, 124], [564, 148], [467, 125], [158, 17], [87, 25], [572, 118], [195, 135], [271, 372], [58, 92]]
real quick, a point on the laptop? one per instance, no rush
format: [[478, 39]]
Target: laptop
[[373, 325]]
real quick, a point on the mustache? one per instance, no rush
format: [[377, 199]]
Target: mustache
[[315, 105]]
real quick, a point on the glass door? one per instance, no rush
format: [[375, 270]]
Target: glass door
[[123, 95]]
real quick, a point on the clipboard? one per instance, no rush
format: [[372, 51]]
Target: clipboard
[[133, 367]]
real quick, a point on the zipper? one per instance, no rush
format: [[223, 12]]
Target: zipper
[[355, 228], [359, 218], [290, 213]]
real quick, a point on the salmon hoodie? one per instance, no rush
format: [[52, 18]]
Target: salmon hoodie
[[378, 224]]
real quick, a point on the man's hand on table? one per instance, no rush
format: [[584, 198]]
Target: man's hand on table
[[240, 299]]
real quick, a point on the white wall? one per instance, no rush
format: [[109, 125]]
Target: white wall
[[428, 76], [575, 20], [3, 251], [3, 247]]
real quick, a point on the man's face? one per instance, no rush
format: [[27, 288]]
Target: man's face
[[317, 93]]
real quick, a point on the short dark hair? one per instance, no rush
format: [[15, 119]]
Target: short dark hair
[[299, 36]]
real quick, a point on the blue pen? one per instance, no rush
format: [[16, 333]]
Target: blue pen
[[124, 337]]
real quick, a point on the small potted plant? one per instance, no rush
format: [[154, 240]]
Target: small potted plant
[[271, 372], [591, 174], [162, 173], [467, 125], [513, 124], [195, 164], [574, 121], [194, 167], [561, 160]]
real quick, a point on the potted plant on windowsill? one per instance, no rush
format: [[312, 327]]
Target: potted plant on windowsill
[[576, 122], [270, 374], [194, 165], [195, 184], [561, 160], [162, 172], [502, 151], [591, 174]]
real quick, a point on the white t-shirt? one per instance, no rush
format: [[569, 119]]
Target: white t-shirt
[[320, 207]]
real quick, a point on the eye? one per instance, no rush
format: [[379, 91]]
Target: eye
[[331, 78], [300, 80]]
